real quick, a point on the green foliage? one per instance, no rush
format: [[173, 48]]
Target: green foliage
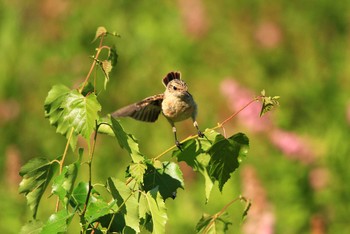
[[69, 109], [268, 103], [63, 184], [37, 174], [127, 141], [215, 157], [213, 224], [138, 202], [58, 222]]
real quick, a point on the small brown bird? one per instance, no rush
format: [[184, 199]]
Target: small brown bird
[[176, 104]]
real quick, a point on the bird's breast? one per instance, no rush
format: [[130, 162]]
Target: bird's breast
[[178, 109]]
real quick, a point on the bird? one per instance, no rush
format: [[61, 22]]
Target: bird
[[176, 104]]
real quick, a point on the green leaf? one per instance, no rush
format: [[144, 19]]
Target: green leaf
[[137, 171], [168, 178], [127, 141], [194, 154], [213, 224], [68, 109], [32, 227], [79, 194], [37, 174], [106, 67], [57, 222], [87, 89], [99, 32], [81, 112], [225, 155], [105, 126], [268, 103], [157, 209], [97, 207], [126, 201], [63, 184], [55, 112], [113, 55]]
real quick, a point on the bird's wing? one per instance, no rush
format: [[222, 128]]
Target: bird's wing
[[146, 110], [171, 76]]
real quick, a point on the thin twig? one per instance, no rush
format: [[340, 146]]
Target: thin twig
[[217, 215], [92, 151], [62, 163], [99, 49], [220, 125]]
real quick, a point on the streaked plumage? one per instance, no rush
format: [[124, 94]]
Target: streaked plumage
[[176, 104]]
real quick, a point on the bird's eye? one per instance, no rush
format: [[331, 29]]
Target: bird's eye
[[174, 88]]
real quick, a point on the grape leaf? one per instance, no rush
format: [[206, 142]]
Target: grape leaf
[[127, 141], [37, 174], [168, 178], [57, 222], [225, 155]]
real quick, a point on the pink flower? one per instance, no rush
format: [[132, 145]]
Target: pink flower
[[261, 218], [348, 113], [292, 145], [289, 143], [237, 97], [268, 34]]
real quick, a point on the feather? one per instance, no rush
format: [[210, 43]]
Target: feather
[[146, 110], [171, 76]]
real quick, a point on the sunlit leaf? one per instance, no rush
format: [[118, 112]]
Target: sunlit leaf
[[268, 103], [127, 141], [168, 179], [127, 203], [97, 207], [57, 222], [81, 112], [225, 155], [37, 174], [63, 184], [194, 154], [99, 32], [32, 227], [106, 67], [157, 210], [55, 112], [213, 223], [79, 194], [137, 171]]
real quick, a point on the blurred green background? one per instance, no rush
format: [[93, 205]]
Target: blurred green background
[[299, 50]]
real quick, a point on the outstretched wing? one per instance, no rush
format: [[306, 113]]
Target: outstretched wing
[[146, 110], [171, 76]]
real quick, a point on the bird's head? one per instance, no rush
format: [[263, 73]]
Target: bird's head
[[177, 88]]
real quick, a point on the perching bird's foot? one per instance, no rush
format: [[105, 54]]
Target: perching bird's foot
[[178, 144], [200, 134]]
